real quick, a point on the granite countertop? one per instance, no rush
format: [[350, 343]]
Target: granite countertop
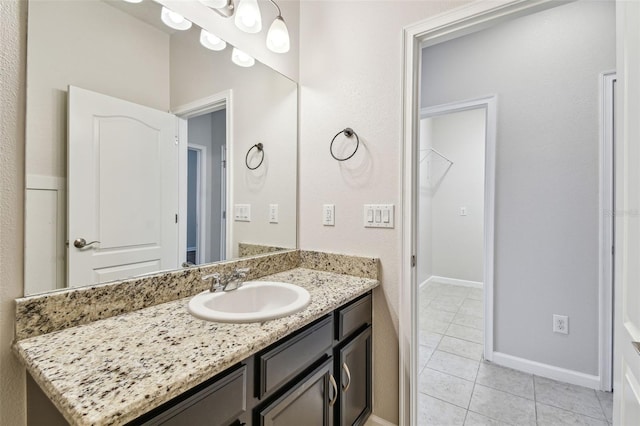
[[113, 370]]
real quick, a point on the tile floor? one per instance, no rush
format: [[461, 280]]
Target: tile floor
[[456, 387]]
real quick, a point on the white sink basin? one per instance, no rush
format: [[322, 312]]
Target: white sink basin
[[254, 301]]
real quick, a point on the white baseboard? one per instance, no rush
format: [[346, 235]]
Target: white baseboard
[[546, 370], [377, 421], [453, 281], [423, 283]]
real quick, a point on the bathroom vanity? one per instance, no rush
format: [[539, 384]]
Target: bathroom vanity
[[321, 373], [161, 365]]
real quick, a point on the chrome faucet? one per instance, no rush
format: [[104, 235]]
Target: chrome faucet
[[227, 283]]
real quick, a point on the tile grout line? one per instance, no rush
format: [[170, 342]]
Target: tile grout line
[[535, 397]]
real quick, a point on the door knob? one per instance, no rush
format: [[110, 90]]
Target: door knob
[[82, 243]]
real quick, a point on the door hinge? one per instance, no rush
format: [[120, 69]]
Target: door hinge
[[413, 261], [613, 250], [224, 214], [224, 164], [177, 140], [176, 217]]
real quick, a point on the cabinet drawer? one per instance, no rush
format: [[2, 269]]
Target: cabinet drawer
[[218, 403], [354, 316], [288, 359]]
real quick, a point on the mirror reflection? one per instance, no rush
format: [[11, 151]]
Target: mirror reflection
[[146, 150]]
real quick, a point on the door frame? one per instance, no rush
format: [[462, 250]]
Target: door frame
[[216, 102], [201, 203], [446, 26], [607, 232], [489, 104]]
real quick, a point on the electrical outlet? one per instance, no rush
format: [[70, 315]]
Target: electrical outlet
[[561, 324]]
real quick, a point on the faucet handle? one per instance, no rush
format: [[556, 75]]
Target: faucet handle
[[242, 272], [215, 281]]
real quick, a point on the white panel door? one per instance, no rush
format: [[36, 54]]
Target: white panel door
[[123, 188], [627, 268]]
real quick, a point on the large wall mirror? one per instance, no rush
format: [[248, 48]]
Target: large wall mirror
[[147, 151]]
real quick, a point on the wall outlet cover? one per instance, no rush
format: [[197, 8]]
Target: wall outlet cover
[[561, 324]]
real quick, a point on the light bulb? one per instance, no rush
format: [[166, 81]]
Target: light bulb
[[278, 36], [248, 17], [174, 20], [215, 4], [211, 41], [242, 59]]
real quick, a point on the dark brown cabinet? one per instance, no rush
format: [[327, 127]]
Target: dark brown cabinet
[[353, 368], [306, 402]]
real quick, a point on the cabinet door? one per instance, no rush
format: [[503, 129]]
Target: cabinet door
[[307, 403], [354, 371]]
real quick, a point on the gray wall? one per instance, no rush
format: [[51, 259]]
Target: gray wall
[[545, 70]]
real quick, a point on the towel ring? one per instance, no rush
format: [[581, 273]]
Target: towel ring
[[348, 132], [260, 148]]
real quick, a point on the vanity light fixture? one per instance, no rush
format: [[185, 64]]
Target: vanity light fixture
[[211, 41], [174, 20], [133, 1], [241, 59], [278, 35], [224, 8], [248, 17]]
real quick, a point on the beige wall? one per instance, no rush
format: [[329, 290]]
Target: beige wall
[[93, 46], [351, 75], [264, 109], [12, 92]]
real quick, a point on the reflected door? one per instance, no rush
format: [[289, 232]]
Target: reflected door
[[123, 189]]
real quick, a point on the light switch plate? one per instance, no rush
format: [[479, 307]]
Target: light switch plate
[[379, 216], [242, 213], [329, 214], [273, 213]]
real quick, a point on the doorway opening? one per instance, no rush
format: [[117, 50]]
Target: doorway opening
[[205, 234], [206, 204], [541, 171], [455, 169]]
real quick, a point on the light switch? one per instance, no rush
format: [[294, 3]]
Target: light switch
[[463, 211], [273, 213], [378, 215], [242, 213], [369, 215], [328, 214]]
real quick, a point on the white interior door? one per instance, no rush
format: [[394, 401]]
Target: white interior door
[[123, 188], [627, 259]]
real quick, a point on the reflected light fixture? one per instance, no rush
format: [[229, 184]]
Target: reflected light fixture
[[174, 20], [133, 1], [211, 41], [278, 35], [248, 17], [215, 4], [241, 59]]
